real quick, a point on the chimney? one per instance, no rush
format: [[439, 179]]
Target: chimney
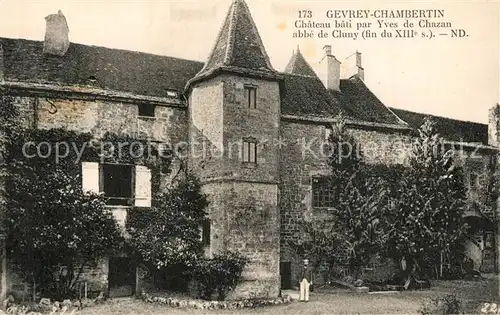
[[329, 70], [56, 35], [352, 66]]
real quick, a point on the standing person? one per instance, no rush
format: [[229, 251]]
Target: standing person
[[305, 282]]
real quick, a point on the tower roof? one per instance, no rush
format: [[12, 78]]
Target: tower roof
[[238, 47], [299, 65]]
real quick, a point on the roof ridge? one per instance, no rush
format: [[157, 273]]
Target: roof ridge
[[104, 47], [300, 75], [232, 30], [438, 116]]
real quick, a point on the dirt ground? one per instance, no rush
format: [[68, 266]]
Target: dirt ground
[[473, 295]]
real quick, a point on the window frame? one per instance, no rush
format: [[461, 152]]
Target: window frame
[[249, 90], [127, 201], [206, 230], [322, 198], [473, 179], [249, 146]]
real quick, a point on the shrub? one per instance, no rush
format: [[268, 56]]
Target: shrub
[[55, 230], [219, 274], [448, 304], [166, 237]]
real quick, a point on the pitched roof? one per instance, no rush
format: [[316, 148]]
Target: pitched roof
[[306, 96], [357, 99], [299, 65], [238, 44], [99, 67], [450, 129]]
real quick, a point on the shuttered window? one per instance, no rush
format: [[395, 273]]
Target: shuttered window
[[123, 185], [117, 183]]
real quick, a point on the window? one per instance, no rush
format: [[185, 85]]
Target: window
[[117, 184], [323, 192], [124, 185], [251, 96], [147, 110], [205, 232], [328, 132], [473, 179], [250, 151]]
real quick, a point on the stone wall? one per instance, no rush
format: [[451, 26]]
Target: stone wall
[[217, 152], [243, 196], [169, 126], [245, 219], [261, 123], [98, 117], [301, 158]]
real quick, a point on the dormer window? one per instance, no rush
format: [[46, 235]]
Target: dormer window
[[172, 93], [147, 110], [251, 96]]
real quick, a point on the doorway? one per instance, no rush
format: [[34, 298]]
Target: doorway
[[286, 275], [121, 277]]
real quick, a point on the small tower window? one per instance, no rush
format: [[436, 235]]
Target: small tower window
[[205, 232], [473, 180], [249, 151], [147, 110], [251, 96]]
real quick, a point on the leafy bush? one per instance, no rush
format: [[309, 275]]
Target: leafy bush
[[219, 274], [168, 233], [54, 229], [448, 304]]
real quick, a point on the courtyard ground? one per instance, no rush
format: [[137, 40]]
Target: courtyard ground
[[473, 294]]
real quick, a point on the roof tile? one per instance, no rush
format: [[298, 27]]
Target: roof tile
[[99, 67], [238, 44], [450, 129], [299, 65]]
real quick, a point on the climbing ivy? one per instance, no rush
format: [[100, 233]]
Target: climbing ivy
[[55, 229]]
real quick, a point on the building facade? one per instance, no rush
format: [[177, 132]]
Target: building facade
[[254, 134]]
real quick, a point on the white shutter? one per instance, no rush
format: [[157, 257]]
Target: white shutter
[[142, 186], [90, 177]]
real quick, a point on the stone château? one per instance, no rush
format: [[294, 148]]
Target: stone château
[[262, 130]]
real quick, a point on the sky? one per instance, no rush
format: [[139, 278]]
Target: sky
[[457, 78]]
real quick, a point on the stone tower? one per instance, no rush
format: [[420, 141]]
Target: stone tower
[[234, 117]]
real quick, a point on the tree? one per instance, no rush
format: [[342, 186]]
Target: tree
[[167, 235], [54, 229], [354, 229], [428, 204], [359, 214]]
